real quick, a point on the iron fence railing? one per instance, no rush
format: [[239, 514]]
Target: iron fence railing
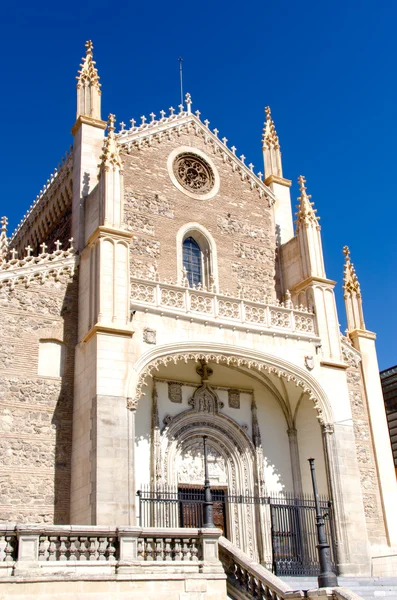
[[292, 520]]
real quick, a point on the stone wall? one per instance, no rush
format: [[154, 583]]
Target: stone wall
[[36, 412], [240, 222], [365, 457]]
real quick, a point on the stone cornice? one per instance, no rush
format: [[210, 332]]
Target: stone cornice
[[311, 281], [113, 232], [362, 333], [334, 365], [84, 120], [279, 180], [99, 328]]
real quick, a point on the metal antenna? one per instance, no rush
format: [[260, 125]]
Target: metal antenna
[[181, 77]]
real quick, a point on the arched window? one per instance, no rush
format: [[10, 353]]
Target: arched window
[[192, 261]]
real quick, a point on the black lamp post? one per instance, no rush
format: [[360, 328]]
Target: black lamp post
[[208, 507], [327, 577]]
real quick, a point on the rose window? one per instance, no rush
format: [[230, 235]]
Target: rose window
[[193, 173]]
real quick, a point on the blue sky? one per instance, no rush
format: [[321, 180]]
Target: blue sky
[[328, 71]]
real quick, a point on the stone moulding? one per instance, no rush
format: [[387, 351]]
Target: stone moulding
[[230, 356], [38, 268]]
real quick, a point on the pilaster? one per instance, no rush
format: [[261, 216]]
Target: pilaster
[[364, 342]]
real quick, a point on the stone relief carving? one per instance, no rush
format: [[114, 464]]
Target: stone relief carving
[[149, 336], [190, 465], [175, 392], [234, 398], [309, 362]]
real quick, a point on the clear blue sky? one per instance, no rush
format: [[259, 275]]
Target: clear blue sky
[[328, 71]]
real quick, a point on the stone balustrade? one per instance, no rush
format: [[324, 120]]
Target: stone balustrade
[[94, 549], [217, 308]]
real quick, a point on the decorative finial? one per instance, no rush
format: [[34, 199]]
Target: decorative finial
[[350, 280], [352, 295], [3, 239], [188, 100], [306, 214], [88, 86], [110, 156], [270, 137]]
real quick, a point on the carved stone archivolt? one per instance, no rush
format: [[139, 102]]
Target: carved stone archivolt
[[322, 407]]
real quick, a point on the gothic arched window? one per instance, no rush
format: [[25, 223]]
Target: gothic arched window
[[192, 261]]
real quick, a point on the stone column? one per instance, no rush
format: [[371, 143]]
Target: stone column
[[295, 463]]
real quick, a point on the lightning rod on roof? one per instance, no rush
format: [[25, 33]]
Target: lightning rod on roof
[[181, 77]]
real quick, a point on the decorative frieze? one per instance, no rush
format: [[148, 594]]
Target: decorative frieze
[[265, 315]]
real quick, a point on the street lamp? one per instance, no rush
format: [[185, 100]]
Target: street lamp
[[208, 506], [327, 577]]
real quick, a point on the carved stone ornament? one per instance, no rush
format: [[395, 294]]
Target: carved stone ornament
[[167, 420], [132, 403], [309, 362], [234, 398], [193, 173], [206, 400], [149, 336], [190, 465], [175, 392]]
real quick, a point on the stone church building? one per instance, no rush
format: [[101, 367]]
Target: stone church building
[[157, 291]]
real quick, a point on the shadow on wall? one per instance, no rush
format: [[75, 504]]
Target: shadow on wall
[[62, 419]]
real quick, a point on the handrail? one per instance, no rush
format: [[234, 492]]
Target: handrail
[[247, 578]]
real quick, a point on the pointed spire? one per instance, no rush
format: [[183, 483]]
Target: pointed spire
[[3, 239], [306, 214], [110, 156], [271, 147], [270, 137], [352, 295], [351, 284], [88, 86]]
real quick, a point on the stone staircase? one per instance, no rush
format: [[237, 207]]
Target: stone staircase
[[366, 587]]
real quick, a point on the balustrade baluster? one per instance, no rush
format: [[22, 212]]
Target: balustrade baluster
[[52, 549], [168, 549], [83, 548], [140, 549], [159, 549], [177, 549], [185, 550], [111, 548], [194, 550], [102, 547], [63, 548], [73, 548], [149, 549], [9, 549], [92, 548]]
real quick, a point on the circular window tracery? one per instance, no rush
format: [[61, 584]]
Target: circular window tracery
[[193, 173]]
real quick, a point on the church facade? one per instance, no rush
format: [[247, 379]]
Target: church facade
[[157, 292]]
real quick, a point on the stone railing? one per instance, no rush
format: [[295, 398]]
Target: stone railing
[[94, 549], [248, 579], [217, 308]]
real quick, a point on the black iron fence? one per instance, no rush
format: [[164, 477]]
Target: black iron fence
[[292, 521]]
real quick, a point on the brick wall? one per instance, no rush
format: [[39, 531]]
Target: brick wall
[[240, 222], [36, 412]]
